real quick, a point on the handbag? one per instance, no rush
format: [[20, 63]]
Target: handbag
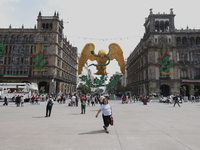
[[111, 120]]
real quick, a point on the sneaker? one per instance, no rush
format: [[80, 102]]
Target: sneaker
[[107, 132]]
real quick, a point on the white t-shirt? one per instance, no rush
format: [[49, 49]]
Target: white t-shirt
[[73, 98], [106, 111], [101, 98]]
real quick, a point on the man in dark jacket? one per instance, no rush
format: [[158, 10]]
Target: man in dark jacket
[[49, 106], [18, 100], [5, 101], [176, 101]]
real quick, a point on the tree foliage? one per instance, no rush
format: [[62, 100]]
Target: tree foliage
[[42, 89], [84, 88]]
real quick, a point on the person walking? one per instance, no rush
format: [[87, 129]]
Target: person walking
[[93, 99], [114, 97], [22, 101], [18, 100], [73, 100], [83, 103], [101, 99], [193, 99], [5, 101], [76, 100], [32, 99], [49, 106], [123, 99], [176, 101], [88, 99], [64, 99], [106, 113]]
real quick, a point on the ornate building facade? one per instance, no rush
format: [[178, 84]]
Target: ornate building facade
[[41, 55], [166, 60]]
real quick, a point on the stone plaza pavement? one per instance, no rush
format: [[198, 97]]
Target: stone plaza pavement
[[156, 126]]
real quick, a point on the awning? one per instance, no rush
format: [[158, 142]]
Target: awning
[[14, 76], [190, 80]]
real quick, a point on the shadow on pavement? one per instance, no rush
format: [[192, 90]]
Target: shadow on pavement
[[73, 114], [92, 132], [39, 117]]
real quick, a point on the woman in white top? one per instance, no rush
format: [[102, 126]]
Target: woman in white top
[[106, 113]]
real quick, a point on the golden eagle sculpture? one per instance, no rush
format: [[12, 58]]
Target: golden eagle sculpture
[[115, 52]]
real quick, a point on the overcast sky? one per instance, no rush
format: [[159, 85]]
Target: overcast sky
[[99, 21]]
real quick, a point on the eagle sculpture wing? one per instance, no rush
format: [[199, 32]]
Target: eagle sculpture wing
[[85, 55], [115, 52]]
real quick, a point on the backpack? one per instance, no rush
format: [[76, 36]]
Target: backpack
[[49, 104], [83, 102]]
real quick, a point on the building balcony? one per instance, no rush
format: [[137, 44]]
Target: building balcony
[[165, 78], [184, 77]]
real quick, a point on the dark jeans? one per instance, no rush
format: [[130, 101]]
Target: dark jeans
[[5, 103], [83, 109], [176, 103], [48, 109], [76, 103]]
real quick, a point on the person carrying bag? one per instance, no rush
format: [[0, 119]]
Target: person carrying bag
[[106, 114]]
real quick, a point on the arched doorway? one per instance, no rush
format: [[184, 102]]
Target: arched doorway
[[165, 90], [184, 90], [45, 85]]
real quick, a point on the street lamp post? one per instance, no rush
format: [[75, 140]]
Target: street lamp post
[[53, 81]]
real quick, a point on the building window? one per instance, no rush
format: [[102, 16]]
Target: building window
[[31, 39], [33, 49], [1, 38], [1, 60], [178, 41], [58, 73], [155, 40], [26, 60], [1, 71], [169, 40], [184, 41], [9, 59], [184, 72], [25, 39], [44, 73], [47, 26], [26, 72], [46, 49], [46, 37], [51, 26], [19, 39], [12, 39], [6, 39], [59, 51], [12, 72], [43, 26], [5, 60], [58, 62], [27, 49]]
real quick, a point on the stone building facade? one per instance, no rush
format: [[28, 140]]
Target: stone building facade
[[146, 72], [59, 74]]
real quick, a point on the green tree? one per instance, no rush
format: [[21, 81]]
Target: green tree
[[183, 89], [42, 89], [84, 88]]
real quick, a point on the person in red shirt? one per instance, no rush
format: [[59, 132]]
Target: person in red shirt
[[32, 99], [83, 102], [123, 99]]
